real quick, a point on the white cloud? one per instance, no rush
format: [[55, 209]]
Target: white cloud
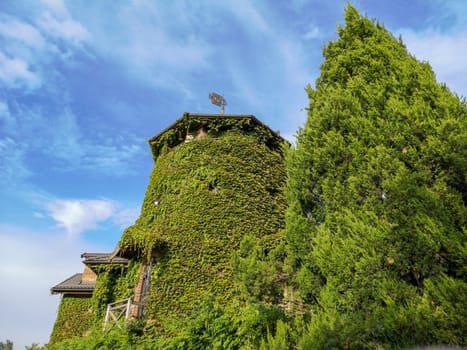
[[12, 164], [114, 158], [63, 28], [56, 6], [444, 52], [151, 41], [312, 33], [279, 60], [6, 120], [15, 73], [31, 262], [66, 148], [28, 50], [126, 217], [33, 44], [77, 216], [38, 215], [23, 32], [249, 16]]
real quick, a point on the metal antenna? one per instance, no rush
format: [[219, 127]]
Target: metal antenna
[[218, 100]]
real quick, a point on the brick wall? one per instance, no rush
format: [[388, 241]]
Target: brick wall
[[88, 275]]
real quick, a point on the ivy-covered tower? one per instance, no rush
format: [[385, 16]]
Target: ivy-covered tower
[[216, 179]]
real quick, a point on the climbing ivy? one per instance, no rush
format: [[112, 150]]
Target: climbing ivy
[[79, 315], [114, 282], [203, 197], [75, 318], [214, 127]]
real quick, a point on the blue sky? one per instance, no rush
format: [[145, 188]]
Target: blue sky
[[83, 84]]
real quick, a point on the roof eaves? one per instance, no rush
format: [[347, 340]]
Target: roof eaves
[[103, 258], [212, 116], [73, 284]]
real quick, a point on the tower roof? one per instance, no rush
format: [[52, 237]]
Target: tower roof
[[213, 124]]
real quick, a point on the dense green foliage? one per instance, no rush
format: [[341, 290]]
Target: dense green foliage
[[210, 326], [258, 269], [75, 318], [374, 251], [376, 225], [80, 315], [215, 127], [203, 197], [8, 345], [115, 282]]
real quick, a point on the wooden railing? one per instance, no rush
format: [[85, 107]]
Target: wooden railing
[[117, 313]]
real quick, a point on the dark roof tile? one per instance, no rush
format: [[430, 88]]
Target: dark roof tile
[[74, 284], [102, 258]]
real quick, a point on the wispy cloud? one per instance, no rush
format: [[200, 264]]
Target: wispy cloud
[[313, 32], [65, 146], [58, 7], [112, 158], [12, 164], [74, 150], [6, 120], [249, 16], [28, 48], [444, 51], [126, 217], [56, 21], [31, 46], [443, 43], [16, 73], [154, 43], [79, 215], [20, 31], [280, 59], [63, 28]]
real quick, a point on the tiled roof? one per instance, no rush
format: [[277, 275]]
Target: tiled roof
[[74, 285], [102, 258]]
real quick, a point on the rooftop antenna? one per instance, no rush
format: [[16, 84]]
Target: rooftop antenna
[[218, 100]]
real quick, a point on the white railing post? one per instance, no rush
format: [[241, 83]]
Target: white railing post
[[107, 316], [128, 309], [116, 311]]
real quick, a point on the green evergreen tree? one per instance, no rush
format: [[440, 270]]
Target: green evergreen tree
[[376, 225], [8, 345]]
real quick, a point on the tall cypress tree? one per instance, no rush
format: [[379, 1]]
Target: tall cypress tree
[[376, 225]]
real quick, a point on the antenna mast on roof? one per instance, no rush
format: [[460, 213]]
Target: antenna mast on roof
[[218, 100]]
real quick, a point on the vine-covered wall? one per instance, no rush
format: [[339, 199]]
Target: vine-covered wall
[[75, 318], [114, 282], [203, 197], [79, 315]]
